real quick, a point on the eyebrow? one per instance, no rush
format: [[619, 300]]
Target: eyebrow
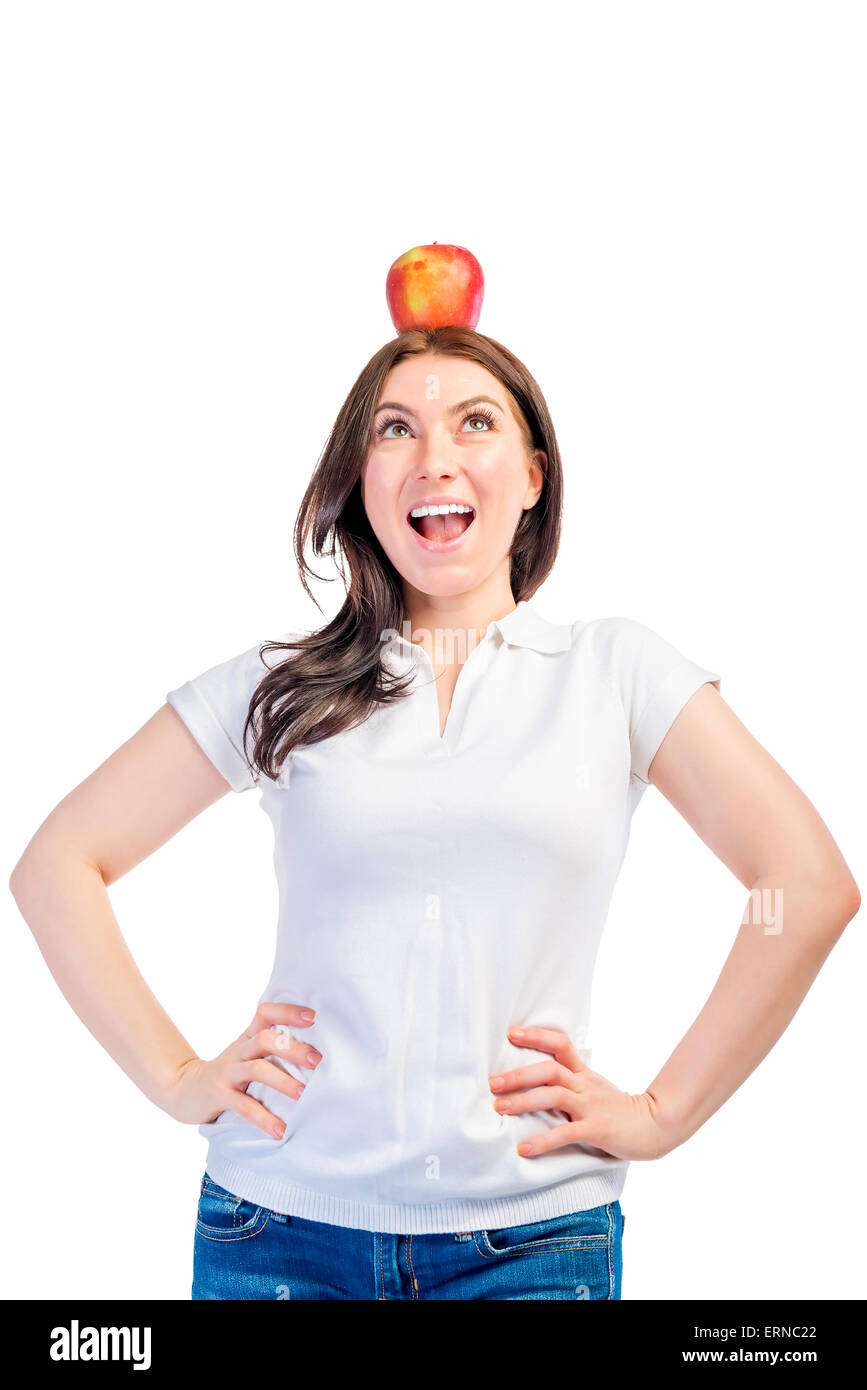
[[453, 410]]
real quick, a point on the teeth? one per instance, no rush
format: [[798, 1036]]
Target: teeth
[[440, 510]]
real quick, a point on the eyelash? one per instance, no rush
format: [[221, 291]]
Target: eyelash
[[479, 413]]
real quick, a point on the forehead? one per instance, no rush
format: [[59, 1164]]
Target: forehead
[[430, 376]]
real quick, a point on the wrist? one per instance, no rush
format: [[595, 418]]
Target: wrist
[[164, 1087], [669, 1123]]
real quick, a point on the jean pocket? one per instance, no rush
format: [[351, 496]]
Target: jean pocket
[[223, 1215], [577, 1230]]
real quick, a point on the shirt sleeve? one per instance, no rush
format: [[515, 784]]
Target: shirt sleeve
[[654, 680], [214, 706]]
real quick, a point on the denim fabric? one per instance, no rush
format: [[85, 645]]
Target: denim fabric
[[244, 1251]]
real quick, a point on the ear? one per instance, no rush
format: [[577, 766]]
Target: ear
[[536, 479]]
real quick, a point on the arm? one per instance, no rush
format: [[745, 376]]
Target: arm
[[758, 822], [135, 801], [752, 815]]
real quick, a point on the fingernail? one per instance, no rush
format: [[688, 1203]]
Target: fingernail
[[517, 1032], [496, 1083], [308, 1015], [278, 1131], [312, 1058]]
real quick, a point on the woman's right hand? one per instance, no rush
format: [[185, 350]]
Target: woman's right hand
[[203, 1090]]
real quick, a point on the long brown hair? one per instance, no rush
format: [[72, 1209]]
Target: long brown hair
[[333, 679]]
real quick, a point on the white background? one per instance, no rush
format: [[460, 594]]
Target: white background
[[201, 205]]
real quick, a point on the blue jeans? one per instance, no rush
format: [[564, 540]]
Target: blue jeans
[[245, 1251]]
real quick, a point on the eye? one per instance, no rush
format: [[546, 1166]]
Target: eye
[[479, 422], [392, 422]]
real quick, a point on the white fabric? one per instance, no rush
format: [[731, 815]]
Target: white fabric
[[432, 893]]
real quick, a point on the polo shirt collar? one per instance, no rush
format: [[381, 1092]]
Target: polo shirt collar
[[523, 627]]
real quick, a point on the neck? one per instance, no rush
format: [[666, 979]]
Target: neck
[[449, 626]]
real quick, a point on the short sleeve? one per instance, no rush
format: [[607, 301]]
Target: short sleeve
[[654, 681], [214, 706]]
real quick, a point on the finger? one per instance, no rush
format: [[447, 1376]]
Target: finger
[[255, 1113], [552, 1040], [541, 1098], [268, 1013], [532, 1075], [270, 1041], [268, 1074], [576, 1132]]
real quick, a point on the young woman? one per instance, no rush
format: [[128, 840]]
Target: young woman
[[411, 1113]]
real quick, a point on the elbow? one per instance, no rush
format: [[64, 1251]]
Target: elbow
[[15, 879], [823, 908], [29, 868], [852, 900], [40, 865], [29, 873], [842, 902], [19, 879]]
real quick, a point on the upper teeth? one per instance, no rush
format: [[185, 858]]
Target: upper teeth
[[440, 510]]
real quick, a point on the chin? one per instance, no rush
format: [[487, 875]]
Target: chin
[[440, 585]]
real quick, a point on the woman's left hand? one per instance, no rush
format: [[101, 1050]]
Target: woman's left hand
[[596, 1112]]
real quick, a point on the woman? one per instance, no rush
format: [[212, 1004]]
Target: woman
[[451, 779]]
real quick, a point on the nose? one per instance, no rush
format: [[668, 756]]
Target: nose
[[437, 457]]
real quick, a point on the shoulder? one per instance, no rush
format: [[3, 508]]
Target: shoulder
[[636, 658], [234, 676], [612, 637], [274, 650]]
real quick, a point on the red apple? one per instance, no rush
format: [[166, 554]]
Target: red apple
[[432, 286]]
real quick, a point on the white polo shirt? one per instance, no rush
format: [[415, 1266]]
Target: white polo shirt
[[434, 892]]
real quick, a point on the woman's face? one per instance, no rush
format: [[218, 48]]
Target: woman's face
[[444, 433]]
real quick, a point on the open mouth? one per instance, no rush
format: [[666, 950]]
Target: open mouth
[[439, 525]]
